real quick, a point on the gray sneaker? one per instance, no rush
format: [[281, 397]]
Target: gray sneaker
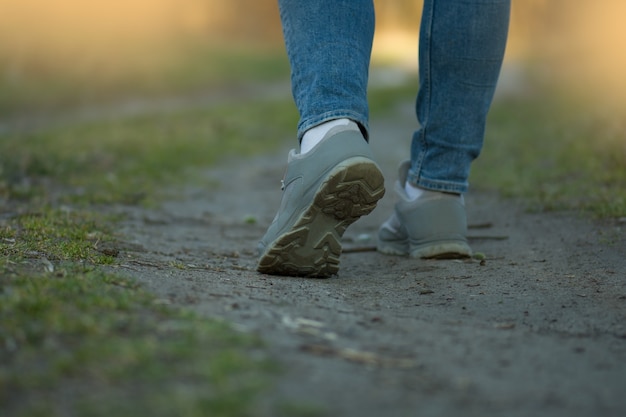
[[433, 226], [325, 191]]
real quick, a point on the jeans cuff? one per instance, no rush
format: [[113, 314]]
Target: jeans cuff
[[309, 123]]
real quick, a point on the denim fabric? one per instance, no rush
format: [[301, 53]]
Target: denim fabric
[[329, 43], [461, 49]]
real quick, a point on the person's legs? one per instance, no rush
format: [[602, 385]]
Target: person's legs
[[329, 44], [461, 50], [334, 181]]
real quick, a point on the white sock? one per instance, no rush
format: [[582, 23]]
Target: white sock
[[315, 135], [412, 191]]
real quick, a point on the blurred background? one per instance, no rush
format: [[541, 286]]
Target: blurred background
[[71, 52]]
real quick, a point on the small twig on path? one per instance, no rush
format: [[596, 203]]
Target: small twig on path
[[145, 263], [128, 267], [358, 356], [486, 237]]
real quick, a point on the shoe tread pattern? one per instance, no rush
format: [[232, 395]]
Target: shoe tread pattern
[[313, 245]]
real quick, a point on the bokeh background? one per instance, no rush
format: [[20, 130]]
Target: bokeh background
[[68, 52]]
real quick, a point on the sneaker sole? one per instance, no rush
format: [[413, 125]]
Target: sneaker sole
[[395, 248], [443, 250], [312, 247]]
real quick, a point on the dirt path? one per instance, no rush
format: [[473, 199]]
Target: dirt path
[[537, 329]]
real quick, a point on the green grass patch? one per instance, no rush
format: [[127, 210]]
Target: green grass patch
[[57, 235], [132, 160], [74, 339], [86, 343], [293, 409], [556, 153]]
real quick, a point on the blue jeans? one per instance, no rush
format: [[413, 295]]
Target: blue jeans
[[461, 49]]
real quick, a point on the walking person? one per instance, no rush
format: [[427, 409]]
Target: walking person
[[333, 179]]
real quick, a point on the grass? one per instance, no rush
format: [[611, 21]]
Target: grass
[[77, 340], [80, 342], [131, 160], [56, 235], [556, 153]]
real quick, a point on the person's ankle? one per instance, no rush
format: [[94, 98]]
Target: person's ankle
[[413, 192], [316, 134]]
